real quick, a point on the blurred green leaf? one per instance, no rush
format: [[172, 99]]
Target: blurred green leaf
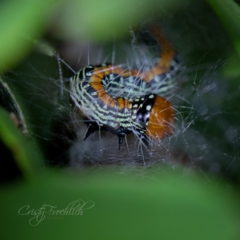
[[105, 19], [157, 206], [21, 148], [228, 11], [231, 69], [18, 21]]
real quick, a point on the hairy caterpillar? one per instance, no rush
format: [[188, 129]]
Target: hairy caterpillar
[[121, 101]]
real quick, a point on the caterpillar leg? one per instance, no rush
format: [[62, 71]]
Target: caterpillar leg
[[92, 127], [120, 140], [121, 132]]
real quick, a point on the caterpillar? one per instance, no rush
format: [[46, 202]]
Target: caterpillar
[[119, 100]]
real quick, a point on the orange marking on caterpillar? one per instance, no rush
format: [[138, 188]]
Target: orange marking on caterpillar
[[161, 119]]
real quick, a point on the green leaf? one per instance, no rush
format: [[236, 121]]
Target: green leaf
[[22, 149], [19, 20], [104, 20], [228, 11], [154, 206]]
